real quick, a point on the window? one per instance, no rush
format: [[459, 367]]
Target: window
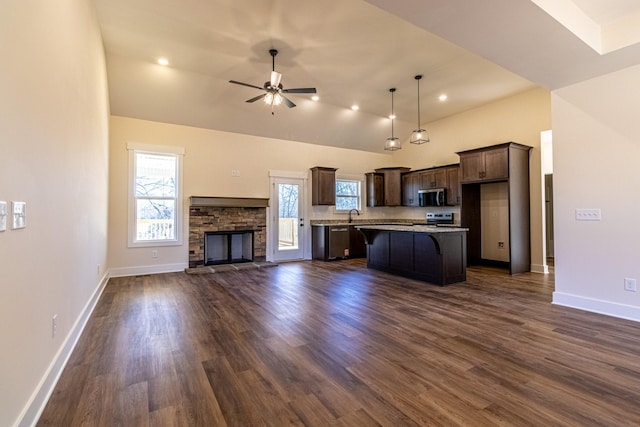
[[155, 177], [347, 194]]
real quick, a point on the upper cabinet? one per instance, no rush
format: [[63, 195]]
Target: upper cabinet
[[446, 177], [323, 186], [411, 183], [392, 183], [375, 189], [453, 185], [490, 164], [434, 178]]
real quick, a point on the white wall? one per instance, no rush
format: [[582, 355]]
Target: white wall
[[596, 147], [209, 158], [54, 152], [519, 118]]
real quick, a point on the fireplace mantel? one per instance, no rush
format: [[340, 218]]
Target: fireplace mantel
[[229, 202]]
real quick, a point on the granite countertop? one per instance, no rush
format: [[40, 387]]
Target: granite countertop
[[356, 222], [413, 228]]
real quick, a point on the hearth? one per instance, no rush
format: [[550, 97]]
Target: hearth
[[226, 247]]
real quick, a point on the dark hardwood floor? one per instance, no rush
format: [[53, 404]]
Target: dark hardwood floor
[[335, 344]]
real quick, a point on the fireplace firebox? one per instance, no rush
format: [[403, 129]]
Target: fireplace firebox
[[227, 247]]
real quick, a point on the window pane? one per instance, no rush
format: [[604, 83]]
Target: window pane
[[347, 188], [346, 203], [155, 175], [155, 219], [347, 195], [288, 200], [288, 217]]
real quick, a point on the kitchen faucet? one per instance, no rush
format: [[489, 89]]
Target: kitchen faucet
[[357, 212]]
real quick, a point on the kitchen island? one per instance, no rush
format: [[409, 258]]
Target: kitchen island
[[432, 254]]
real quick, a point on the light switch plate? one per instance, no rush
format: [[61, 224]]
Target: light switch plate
[[588, 215], [3, 215], [19, 210]]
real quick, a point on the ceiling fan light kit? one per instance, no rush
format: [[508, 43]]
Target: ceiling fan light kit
[[273, 88], [392, 143], [419, 135]]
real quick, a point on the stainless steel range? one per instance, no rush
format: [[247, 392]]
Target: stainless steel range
[[439, 218]]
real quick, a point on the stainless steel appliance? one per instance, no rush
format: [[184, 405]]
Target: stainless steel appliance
[[440, 218], [338, 241], [432, 197]]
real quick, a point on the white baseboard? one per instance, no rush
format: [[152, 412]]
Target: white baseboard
[[539, 268], [40, 397], [608, 308], [147, 269]]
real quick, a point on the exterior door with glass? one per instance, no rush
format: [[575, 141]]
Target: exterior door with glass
[[287, 197]]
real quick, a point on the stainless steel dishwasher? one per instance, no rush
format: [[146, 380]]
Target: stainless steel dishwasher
[[338, 241]]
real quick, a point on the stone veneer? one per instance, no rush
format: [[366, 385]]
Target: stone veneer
[[208, 218]]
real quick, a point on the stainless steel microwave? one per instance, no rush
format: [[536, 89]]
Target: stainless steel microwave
[[432, 197]]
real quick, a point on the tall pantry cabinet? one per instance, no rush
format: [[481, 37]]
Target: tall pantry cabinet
[[508, 163]]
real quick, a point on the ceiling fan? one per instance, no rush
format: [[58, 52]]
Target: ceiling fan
[[273, 88]]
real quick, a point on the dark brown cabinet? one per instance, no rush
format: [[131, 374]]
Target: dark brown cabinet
[[375, 189], [447, 177], [484, 164], [453, 185], [323, 186], [438, 258], [508, 163], [357, 246], [392, 184], [410, 185], [435, 178]]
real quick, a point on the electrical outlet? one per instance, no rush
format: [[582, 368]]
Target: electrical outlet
[[154, 253], [630, 284], [54, 325], [501, 245], [235, 172], [588, 215]]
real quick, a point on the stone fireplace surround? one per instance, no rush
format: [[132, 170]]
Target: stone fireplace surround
[[226, 214]]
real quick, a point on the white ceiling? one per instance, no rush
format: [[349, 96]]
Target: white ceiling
[[352, 51]]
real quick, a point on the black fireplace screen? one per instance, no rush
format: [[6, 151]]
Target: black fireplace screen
[[226, 247]]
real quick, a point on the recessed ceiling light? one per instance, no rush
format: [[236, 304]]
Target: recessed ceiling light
[[163, 61], [315, 98], [354, 107], [392, 116], [442, 97]]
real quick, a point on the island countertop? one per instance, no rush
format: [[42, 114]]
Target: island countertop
[[412, 228]]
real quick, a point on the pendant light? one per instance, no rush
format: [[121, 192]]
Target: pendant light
[[419, 135], [392, 143]]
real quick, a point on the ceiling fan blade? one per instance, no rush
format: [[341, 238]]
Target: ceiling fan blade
[[300, 90], [245, 84], [256, 98], [288, 102], [275, 78]]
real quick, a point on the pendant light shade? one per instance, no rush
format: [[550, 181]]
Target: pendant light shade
[[392, 143], [419, 135]]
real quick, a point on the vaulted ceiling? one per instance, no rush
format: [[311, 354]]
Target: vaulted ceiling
[[352, 51]]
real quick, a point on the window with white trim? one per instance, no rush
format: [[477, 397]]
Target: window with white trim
[[155, 191], [348, 194]]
